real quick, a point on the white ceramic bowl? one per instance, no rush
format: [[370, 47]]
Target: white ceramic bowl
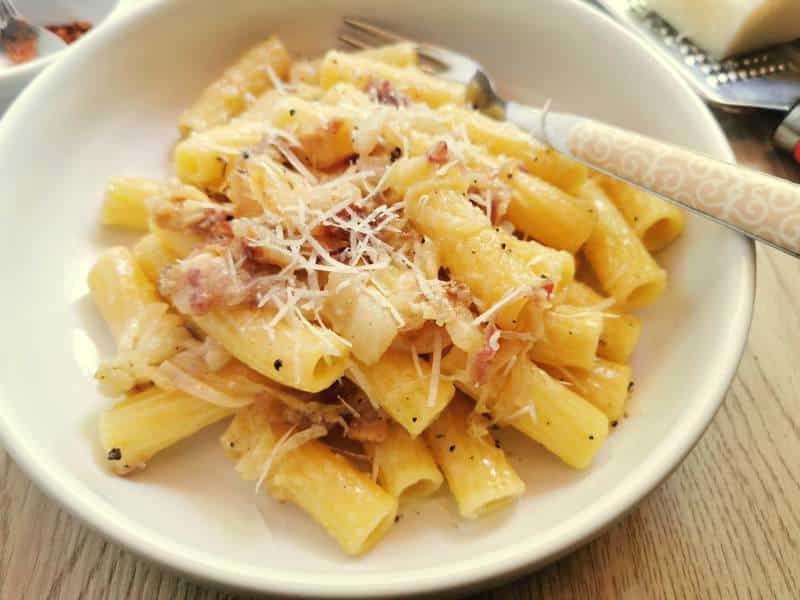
[[47, 12], [111, 106]]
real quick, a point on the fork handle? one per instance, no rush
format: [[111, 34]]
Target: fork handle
[[758, 205]]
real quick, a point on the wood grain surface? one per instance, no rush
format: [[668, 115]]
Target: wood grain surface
[[725, 525]]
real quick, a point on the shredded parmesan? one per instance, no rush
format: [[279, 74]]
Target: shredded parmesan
[[415, 360], [276, 81], [352, 410], [199, 389], [529, 409], [436, 368], [387, 304], [290, 441], [508, 298], [296, 162], [375, 469]]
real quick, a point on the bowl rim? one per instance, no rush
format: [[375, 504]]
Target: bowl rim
[[497, 565]]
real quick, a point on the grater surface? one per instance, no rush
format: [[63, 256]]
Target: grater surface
[[768, 79]]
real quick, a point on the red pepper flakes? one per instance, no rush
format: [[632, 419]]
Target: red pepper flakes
[[70, 32]]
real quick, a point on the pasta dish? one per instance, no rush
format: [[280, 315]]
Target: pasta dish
[[367, 278]]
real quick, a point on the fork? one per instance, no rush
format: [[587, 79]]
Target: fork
[[760, 206]]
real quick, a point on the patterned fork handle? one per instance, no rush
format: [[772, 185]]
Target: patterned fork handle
[[760, 206]]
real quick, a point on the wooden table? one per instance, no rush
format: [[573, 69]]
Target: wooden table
[[725, 525]]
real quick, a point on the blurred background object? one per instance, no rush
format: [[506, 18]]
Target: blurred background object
[[62, 21], [694, 35]]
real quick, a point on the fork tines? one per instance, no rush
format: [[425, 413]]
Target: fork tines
[[363, 35]]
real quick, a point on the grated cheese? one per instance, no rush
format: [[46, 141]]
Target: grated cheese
[[529, 409], [193, 386], [508, 298], [296, 163], [276, 81], [436, 368], [415, 360]]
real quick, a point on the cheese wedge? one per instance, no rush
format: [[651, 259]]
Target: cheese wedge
[[724, 28]]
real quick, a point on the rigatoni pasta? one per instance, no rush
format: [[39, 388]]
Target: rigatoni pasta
[[478, 473], [345, 501], [259, 69], [146, 422], [657, 222], [625, 268], [369, 277], [407, 391], [405, 466], [621, 330]]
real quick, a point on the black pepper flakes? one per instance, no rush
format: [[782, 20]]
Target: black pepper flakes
[[497, 443], [439, 436], [413, 419], [452, 447], [292, 112], [277, 364], [395, 154], [114, 454], [591, 437], [245, 155], [614, 423], [631, 386], [503, 245]]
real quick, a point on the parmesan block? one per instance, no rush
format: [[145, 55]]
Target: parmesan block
[[724, 28]]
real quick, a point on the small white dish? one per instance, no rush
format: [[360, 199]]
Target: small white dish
[[110, 107], [46, 12]]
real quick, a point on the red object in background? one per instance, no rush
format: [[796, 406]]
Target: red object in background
[[70, 32], [21, 46], [19, 42]]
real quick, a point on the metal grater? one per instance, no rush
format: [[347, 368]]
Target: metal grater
[[769, 79]]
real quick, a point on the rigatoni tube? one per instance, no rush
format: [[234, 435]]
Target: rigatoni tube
[[229, 95], [618, 257], [406, 468], [489, 260], [305, 357], [120, 289], [351, 507], [657, 222], [404, 389], [477, 472], [144, 423]]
